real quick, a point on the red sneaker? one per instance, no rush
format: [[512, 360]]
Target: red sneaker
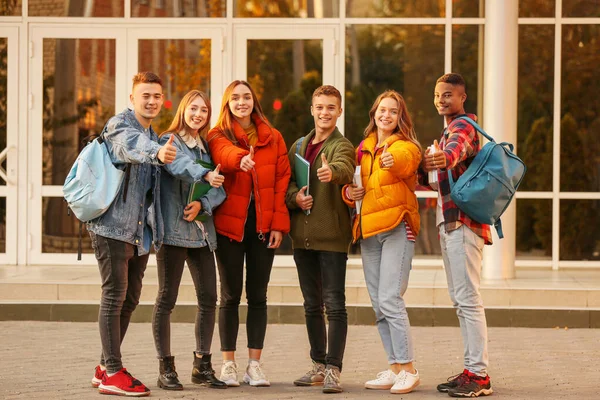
[[98, 374], [123, 384]]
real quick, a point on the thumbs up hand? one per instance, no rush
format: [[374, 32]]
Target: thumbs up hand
[[324, 173], [247, 162], [304, 202], [168, 152], [435, 158], [386, 159], [214, 178]]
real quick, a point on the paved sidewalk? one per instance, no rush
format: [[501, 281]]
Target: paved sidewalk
[[55, 360]]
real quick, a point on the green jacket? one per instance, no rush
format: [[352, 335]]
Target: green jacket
[[327, 228]]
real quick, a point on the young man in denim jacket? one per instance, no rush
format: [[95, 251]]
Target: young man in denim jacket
[[122, 236]]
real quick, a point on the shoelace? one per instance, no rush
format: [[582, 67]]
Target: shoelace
[[256, 369], [315, 370], [134, 381], [331, 376], [383, 374], [460, 378], [230, 369]]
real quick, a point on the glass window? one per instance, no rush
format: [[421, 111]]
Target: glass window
[[61, 231], [183, 64], [11, 7], [286, 9], [581, 8], [534, 229], [468, 8], [537, 9], [579, 233], [178, 8], [395, 8], [406, 58], [580, 120], [81, 8], [467, 60], [535, 105]]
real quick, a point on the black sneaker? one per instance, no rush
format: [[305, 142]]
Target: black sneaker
[[452, 382], [473, 386]]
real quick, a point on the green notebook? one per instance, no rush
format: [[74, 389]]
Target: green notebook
[[198, 189], [302, 170]]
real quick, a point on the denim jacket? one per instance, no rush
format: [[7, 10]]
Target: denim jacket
[[136, 219], [175, 184]]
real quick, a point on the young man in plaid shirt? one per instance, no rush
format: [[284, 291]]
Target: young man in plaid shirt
[[461, 238]]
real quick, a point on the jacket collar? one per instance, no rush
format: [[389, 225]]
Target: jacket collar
[[371, 141], [263, 131], [335, 135], [132, 120]]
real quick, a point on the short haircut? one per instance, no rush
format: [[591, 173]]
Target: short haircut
[[327, 90], [453, 79], [146, 77]]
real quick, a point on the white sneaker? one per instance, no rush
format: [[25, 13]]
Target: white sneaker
[[385, 380], [405, 382], [255, 376], [229, 373]]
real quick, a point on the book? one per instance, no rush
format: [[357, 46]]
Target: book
[[302, 169], [358, 182], [199, 189]]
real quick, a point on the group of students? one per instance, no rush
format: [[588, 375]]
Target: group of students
[[254, 200]]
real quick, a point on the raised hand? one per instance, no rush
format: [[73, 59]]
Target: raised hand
[[324, 173], [214, 178], [191, 211], [304, 202], [436, 158], [386, 159], [168, 152], [247, 162]]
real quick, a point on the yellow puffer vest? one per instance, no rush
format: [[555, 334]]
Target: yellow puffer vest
[[389, 192]]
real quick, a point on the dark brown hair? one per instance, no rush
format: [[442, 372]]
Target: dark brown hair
[[453, 79], [327, 90]]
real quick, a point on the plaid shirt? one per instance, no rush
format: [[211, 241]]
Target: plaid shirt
[[460, 144]]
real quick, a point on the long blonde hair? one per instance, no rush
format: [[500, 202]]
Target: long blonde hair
[[405, 127], [179, 123], [225, 121]]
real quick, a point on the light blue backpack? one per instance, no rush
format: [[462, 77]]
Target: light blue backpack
[[486, 188], [93, 181]]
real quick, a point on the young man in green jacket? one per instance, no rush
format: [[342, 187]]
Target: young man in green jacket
[[321, 234]]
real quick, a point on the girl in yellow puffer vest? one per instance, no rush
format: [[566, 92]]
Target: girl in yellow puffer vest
[[387, 223]]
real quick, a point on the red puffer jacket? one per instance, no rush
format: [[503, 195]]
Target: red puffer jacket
[[269, 180]]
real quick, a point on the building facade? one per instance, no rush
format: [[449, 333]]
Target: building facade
[[530, 66]]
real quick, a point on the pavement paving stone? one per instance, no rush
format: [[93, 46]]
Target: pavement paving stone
[[55, 360]]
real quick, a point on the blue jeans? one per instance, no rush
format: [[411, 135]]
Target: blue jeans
[[121, 272], [387, 259], [322, 276], [462, 253]]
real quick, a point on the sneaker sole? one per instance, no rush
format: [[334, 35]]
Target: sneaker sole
[[407, 390], [96, 382], [332, 390], [254, 383], [482, 392], [378, 387], [230, 382], [301, 383], [119, 392]]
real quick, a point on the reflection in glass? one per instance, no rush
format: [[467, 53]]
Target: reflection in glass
[[80, 8], [182, 64], [535, 105], [2, 224], [11, 7], [406, 58], [395, 8], [468, 8], [534, 229], [579, 233], [580, 119], [60, 231], [468, 61], [284, 74], [79, 97], [286, 8], [178, 8], [3, 98], [428, 243], [581, 8], [537, 9]]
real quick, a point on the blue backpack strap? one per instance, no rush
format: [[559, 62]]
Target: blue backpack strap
[[299, 144], [477, 127], [498, 226]]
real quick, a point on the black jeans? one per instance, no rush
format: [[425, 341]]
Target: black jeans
[[201, 262], [121, 271], [259, 261], [322, 276]]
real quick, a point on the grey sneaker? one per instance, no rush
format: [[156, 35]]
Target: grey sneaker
[[332, 382], [314, 377]]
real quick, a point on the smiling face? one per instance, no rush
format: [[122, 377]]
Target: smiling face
[[147, 100], [387, 115], [326, 110], [449, 99], [196, 115], [241, 103]]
